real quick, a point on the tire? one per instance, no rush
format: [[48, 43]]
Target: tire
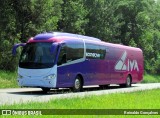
[[128, 82], [45, 90], [77, 87]]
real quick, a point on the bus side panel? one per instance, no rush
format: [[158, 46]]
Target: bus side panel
[[118, 64], [141, 67], [123, 62], [118, 75], [137, 74], [67, 74], [94, 72]]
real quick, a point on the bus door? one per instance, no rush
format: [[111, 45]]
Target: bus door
[[62, 67]]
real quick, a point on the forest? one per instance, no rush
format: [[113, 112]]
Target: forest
[[129, 22]]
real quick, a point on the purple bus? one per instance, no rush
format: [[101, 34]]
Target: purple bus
[[64, 60]]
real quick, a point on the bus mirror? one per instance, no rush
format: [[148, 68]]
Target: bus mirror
[[53, 48], [16, 46], [62, 44]]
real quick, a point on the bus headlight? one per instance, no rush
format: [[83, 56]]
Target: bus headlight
[[20, 76], [50, 76]]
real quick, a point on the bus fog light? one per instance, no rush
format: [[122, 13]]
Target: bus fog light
[[50, 76]]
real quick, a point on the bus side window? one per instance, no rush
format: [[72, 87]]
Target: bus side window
[[102, 51], [62, 56], [74, 52], [92, 51], [70, 52], [95, 51]]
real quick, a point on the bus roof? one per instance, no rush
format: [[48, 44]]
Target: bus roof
[[60, 36], [51, 36]]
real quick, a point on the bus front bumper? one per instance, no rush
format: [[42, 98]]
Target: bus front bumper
[[37, 82]]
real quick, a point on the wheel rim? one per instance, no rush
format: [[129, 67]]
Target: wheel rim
[[77, 83], [128, 81]]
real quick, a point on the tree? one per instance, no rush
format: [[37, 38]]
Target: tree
[[103, 19], [130, 22], [22, 19], [73, 17], [139, 28]]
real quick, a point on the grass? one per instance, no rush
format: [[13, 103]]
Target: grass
[[135, 100], [8, 79], [151, 78], [138, 100]]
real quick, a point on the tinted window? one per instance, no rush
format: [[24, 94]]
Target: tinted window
[[74, 52], [37, 56], [102, 50], [95, 51], [62, 56], [71, 52]]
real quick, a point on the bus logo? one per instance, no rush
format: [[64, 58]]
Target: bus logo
[[122, 66], [94, 55]]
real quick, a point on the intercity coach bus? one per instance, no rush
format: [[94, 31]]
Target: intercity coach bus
[[62, 60]]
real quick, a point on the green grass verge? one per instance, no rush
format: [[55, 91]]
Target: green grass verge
[[135, 100], [9, 79], [151, 78], [148, 99]]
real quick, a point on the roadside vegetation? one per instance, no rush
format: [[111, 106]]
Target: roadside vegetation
[[8, 79], [148, 78], [133, 100]]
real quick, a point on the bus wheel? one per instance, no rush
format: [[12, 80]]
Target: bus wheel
[[45, 90], [128, 82], [77, 85]]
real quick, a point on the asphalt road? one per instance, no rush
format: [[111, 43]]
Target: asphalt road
[[23, 95]]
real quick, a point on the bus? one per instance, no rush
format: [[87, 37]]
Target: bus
[[63, 60]]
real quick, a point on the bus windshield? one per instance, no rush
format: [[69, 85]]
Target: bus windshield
[[37, 56]]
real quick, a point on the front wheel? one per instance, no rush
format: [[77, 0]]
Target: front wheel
[[45, 90], [77, 85]]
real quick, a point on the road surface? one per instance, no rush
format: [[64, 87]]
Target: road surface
[[22, 95]]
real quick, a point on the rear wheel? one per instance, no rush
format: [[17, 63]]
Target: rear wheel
[[45, 90], [128, 82], [77, 85]]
